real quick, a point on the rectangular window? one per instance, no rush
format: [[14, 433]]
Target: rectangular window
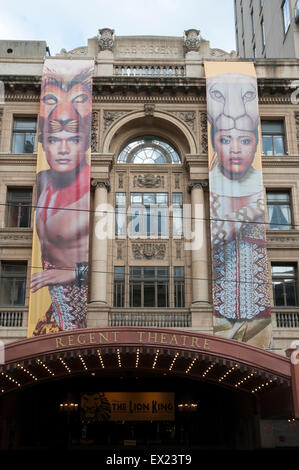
[[120, 214], [179, 286], [177, 214], [286, 15], [12, 283], [273, 137], [149, 287], [149, 214], [119, 286], [279, 210], [18, 208], [24, 135], [284, 283]]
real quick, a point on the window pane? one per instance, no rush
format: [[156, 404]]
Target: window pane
[[135, 300], [162, 295], [179, 271], [120, 221], [18, 143], [290, 291], [162, 199], [283, 271], [149, 295], [177, 198], [273, 127], [119, 272], [278, 197], [267, 145], [149, 273], [136, 198], [13, 284], [120, 199], [24, 124], [148, 199], [278, 144], [278, 294]]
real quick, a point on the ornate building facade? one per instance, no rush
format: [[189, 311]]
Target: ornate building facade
[[149, 148]]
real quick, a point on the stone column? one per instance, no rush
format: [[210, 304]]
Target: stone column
[[200, 283], [99, 254]]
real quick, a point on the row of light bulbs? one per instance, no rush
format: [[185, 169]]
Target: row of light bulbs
[[118, 358], [173, 361], [137, 358], [65, 365], [155, 358], [208, 369], [232, 369], [41, 363], [101, 359], [250, 376], [191, 365], [261, 387], [11, 379], [83, 362]]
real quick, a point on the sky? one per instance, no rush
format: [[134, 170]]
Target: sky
[[69, 23]]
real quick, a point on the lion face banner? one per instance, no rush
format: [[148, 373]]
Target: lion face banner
[[58, 288], [241, 304]]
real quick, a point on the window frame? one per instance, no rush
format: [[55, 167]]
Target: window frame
[[179, 296], [24, 132], [119, 287], [274, 134], [10, 204], [150, 216], [278, 203], [15, 277], [145, 281], [283, 280]]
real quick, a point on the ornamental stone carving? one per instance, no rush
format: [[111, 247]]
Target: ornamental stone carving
[[106, 39], [149, 250], [149, 109], [198, 184], [192, 40], [98, 183], [297, 128], [204, 132], [78, 51], [95, 131], [110, 117], [148, 181], [188, 117]]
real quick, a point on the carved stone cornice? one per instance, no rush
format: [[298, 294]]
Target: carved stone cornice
[[100, 183], [188, 117], [149, 250], [148, 180], [198, 184], [283, 239], [283, 161], [15, 237]]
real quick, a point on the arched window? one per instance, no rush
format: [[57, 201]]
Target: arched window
[[149, 150]]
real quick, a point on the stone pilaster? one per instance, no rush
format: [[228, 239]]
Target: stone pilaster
[[99, 254], [200, 283]]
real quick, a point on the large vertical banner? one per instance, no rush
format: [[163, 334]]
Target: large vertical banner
[[241, 303], [58, 290]]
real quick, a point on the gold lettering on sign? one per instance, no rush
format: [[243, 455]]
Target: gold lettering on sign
[[71, 340], [81, 341], [59, 343], [163, 338], [92, 338], [185, 338], [195, 342], [206, 344], [152, 337], [115, 333], [173, 339], [141, 339], [101, 335]]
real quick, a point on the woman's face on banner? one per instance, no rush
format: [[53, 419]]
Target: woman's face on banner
[[236, 151]]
